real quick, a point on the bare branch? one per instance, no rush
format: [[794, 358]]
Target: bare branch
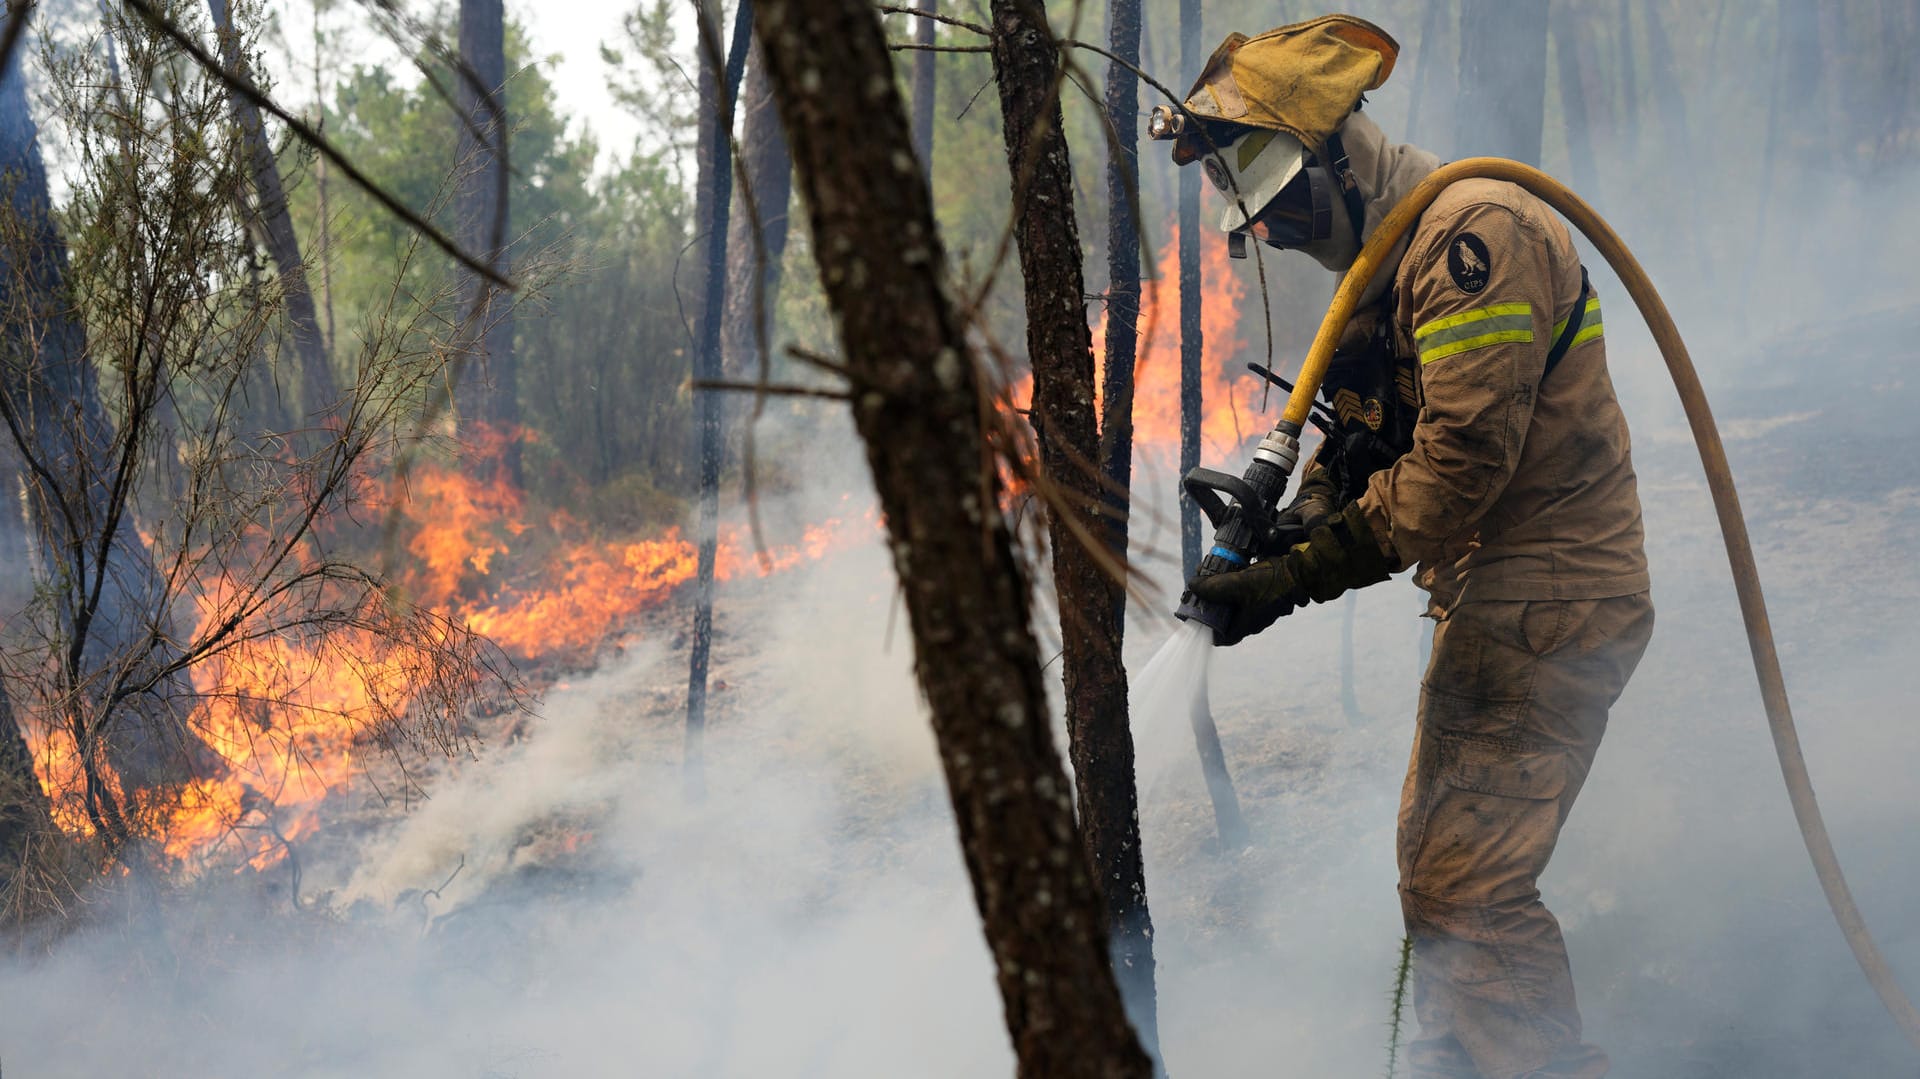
[[913, 46], [898, 9]]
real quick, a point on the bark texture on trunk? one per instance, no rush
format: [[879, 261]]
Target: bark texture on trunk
[[489, 385], [1569, 32], [1111, 791], [1060, 348], [24, 813], [716, 186], [319, 389], [1191, 339], [110, 599], [925, 88], [1503, 79], [918, 406], [769, 173]]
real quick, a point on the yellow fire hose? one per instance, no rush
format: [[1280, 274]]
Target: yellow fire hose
[[1726, 502]]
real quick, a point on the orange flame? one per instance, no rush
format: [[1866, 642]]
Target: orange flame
[[1231, 402], [288, 717]]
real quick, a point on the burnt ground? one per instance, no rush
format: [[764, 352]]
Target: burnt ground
[[557, 906], [1702, 946]]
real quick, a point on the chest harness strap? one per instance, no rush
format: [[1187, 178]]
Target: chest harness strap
[[1564, 342]]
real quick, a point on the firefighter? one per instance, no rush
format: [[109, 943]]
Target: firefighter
[[1513, 498]]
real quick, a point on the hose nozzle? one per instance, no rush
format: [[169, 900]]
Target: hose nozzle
[[1214, 616]]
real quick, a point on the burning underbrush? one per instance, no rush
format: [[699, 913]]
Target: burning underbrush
[[530, 590], [293, 720]]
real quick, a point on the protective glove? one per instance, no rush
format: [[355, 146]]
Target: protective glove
[[1315, 502], [1342, 554], [1257, 596]]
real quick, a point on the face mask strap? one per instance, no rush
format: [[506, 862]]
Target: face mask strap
[[1349, 185]]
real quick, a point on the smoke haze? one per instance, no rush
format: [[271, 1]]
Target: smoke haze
[[558, 906]]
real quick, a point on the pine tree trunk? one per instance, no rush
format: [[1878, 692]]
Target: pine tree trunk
[[1191, 340], [1427, 53], [925, 88], [319, 390], [1060, 348], [769, 171], [115, 626], [716, 185], [1111, 790], [918, 408], [1503, 79], [24, 813], [1568, 32], [489, 383]]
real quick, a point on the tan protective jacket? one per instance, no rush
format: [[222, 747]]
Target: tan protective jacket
[[1516, 487]]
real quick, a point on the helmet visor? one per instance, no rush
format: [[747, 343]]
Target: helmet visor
[[1300, 214]]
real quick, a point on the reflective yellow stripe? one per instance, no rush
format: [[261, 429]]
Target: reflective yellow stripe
[[1588, 331], [1478, 328], [1476, 315], [1468, 344], [1589, 326]]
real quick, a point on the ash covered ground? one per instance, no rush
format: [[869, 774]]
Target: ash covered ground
[[559, 906]]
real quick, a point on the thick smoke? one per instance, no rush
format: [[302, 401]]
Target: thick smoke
[[559, 906]]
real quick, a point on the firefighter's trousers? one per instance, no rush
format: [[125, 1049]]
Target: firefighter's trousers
[[1511, 713]]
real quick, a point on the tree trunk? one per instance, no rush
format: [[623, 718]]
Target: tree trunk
[[1060, 347], [1503, 79], [1228, 822], [918, 406], [323, 231], [1569, 30], [925, 88], [1664, 73], [488, 390], [1191, 339], [110, 601], [716, 168], [1110, 791], [754, 286], [24, 813], [1427, 56], [271, 222]]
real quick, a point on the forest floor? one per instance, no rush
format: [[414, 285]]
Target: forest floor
[[1701, 944], [559, 904]]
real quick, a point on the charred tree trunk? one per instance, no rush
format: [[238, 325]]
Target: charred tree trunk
[[925, 87], [1107, 738], [24, 812], [1191, 340], [1123, 274], [918, 406], [489, 386], [1569, 57], [114, 631], [271, 222], [1213, 759], [1026, 64], [1503, 79], [716, 168], [753, 269], [1664, 73], [1428, 54], [323, 232]]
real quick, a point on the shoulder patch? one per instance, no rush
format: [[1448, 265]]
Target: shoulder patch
[[1468, 262]]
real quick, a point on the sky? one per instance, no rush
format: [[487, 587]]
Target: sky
[[578, 75]]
